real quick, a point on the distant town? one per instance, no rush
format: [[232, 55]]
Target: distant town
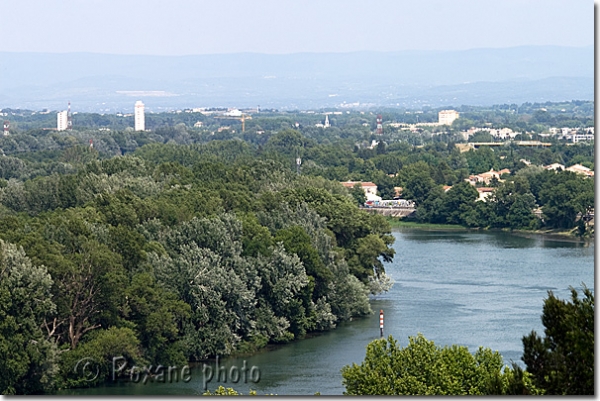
[[445, 120]]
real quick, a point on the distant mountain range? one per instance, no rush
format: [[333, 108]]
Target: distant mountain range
[[412, 79]]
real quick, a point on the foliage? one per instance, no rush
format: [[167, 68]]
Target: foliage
[[98, 350], [227, 391], [358, 194], [28, 362], [562, 362], [422, 368]]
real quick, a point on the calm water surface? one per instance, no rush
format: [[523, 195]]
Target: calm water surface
[[468, 288]]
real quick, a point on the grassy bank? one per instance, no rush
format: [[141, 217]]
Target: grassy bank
[[564, 234], [398, 223], [559, 234]]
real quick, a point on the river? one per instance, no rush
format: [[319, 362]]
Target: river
[[455, 287]]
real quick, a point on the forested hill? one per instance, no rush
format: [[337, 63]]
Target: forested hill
[[102, 82]]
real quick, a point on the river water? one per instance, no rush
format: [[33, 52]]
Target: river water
[[456, 287]]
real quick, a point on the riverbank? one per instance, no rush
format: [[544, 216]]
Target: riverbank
[[397, 223], [555, 234], [568, 235]]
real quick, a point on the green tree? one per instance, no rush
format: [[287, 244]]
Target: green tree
[[417, 182], [256, 238], [92, 289], [98, 349], [157, 316], [511, 205], [562, 362], [226, 392], [459, 203], [482, 160], [563, 196], [28, 363], [385, 186], [422, 368], [358, 193], [296, 241], [288, 142]]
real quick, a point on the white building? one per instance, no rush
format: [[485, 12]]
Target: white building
[[446, 117], [555, 166], [369, 187], [583, 135], [233, 113], [62, 121], [140, 119], [579, 169]]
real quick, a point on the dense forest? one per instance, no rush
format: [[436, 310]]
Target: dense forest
[[179, 244]]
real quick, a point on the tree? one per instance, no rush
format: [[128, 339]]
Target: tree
[[422, 368], [511, 205], [296, 241], [350, 226], [563, 195], [443, 174], [459, 202], [481, 160], [28, 363], [385, 185], [562, 362], [157, 316], [288, 142], [92, 288], [99, 349], [226, 392], [358, 193], [418, 187]]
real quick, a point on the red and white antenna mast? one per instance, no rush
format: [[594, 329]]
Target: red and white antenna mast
[[6, 127], [379, 125]]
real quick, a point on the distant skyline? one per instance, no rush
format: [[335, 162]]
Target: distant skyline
[[195, 27]]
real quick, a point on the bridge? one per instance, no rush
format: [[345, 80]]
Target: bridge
[[390, 211]]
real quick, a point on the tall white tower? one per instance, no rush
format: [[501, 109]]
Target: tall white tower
[[140, 119], [61, 121]]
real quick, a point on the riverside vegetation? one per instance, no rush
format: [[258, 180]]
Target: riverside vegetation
[[560, 363], [177, 245]]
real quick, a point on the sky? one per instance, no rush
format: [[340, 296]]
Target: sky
[[190, 27]]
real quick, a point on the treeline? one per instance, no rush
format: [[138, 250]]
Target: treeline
[[391, 161], [564, 197], [350, 154], [173, 254]]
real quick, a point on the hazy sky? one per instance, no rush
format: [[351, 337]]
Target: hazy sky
[[179, 27]]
